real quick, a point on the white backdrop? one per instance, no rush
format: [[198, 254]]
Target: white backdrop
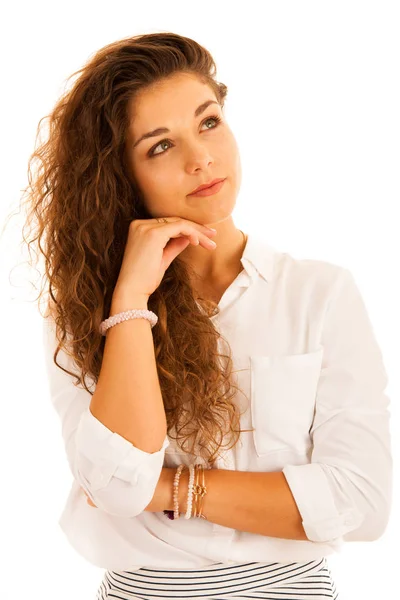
[[313, 100]]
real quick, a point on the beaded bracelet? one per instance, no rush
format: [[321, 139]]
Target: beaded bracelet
[[190, 493], [135, 313], [176, 486]]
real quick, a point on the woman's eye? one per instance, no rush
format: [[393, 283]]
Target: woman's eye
[[152, 152]]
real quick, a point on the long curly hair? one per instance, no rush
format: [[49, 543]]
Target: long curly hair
[[80, 203]]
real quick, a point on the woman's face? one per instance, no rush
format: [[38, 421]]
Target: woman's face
[[168, 166]]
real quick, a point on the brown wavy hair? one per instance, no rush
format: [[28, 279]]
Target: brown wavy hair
[[80, 203]]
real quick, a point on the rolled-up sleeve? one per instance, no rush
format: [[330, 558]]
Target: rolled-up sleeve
[[346, 490], [119, 478]]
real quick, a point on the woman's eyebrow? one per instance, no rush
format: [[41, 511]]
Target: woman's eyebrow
[[161, 130]]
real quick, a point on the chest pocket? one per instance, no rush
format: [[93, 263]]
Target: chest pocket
[[283, 393]]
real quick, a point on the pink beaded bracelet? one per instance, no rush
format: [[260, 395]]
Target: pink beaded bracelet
[[135, 313]]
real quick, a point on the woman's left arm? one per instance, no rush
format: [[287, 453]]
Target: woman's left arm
[[255, 502]]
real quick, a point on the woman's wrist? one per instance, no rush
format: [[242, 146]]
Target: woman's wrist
[[123, 301]]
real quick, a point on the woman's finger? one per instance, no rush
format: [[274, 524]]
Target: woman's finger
[[89, 501]]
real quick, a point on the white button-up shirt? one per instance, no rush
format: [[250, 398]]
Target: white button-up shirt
[[313, 387]]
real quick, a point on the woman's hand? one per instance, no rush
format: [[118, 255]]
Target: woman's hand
[[89, 501], [151, 247]]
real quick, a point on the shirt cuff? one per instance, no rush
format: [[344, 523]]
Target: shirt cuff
[[109, 454], [313, 495]]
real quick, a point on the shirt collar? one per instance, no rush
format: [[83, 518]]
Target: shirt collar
[[258, 257]]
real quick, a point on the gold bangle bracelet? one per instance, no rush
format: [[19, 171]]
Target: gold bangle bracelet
[[199, 491]]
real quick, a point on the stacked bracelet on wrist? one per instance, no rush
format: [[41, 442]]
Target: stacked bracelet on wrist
[[196, 492]]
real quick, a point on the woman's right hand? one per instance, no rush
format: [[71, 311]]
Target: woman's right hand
[[152, 246]]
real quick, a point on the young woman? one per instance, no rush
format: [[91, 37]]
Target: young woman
[[169, 344]]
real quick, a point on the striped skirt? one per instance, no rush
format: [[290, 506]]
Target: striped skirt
[[310, 580]]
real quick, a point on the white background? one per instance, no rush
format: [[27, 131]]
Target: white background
[[314, 102]]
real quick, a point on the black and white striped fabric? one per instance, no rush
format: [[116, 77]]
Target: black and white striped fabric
[[310, 580]]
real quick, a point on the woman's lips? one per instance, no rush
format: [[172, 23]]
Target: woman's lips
[[213, 189]]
